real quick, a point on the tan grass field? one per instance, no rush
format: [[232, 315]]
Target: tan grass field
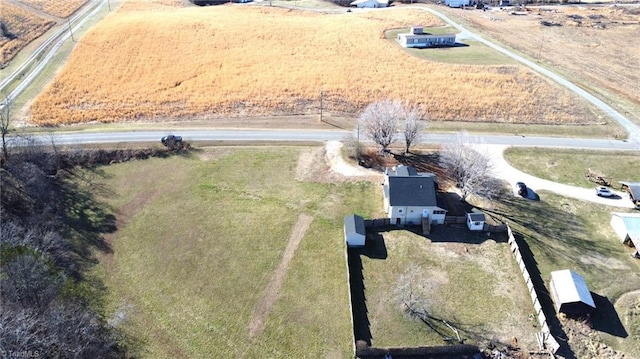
[[23, 27], [150, 61], [59, 8], [596, 46]]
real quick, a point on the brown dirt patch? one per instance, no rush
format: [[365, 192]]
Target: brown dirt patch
[[270, 294]]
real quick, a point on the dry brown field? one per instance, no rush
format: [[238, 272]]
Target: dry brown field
[[596, 46], [59, 8], [151, 61], [20, 28]]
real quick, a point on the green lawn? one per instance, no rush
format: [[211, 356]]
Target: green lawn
[[471, 52], [564, 233], [198, 241], [570, 166], [475, 287]]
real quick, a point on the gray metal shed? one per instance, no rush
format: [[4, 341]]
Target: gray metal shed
[[570, 293], [355, 233]]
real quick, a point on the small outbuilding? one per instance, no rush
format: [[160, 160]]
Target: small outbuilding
[[355, 233], [570, 293], [475, 221]]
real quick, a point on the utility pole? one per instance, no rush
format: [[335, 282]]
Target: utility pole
[[70, 31], [358, 145], [320, 104], [540, 49]]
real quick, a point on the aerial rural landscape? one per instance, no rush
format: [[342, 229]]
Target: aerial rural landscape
[[319, 179]]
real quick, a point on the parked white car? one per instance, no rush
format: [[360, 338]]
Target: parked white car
[[603, 192]]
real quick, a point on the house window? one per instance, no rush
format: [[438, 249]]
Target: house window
[[400, 210], [437, 211]]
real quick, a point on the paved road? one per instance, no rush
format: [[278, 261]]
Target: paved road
[[321, 136], [26, 73]]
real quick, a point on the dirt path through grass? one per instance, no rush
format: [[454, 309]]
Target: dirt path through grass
[[270, 295]]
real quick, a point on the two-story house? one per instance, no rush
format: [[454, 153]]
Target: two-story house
[[410, 196]]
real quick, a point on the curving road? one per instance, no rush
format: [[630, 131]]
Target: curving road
[[45, 52], [632, 129]]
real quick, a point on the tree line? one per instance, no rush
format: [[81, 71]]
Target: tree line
[[50, 225]]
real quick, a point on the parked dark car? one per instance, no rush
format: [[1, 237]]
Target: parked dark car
[[522, 189], [170, 138], [172, 142]]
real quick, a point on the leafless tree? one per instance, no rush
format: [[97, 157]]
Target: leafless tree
[[410, 290], [379, 121], [469, 166], [5, 121], [414, 122]]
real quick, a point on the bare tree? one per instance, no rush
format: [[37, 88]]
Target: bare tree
[[379, 121], [469, 166], [5, 121], [414, 122]]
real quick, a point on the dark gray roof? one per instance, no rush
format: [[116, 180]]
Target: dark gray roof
[[412, 191], [354, 224], [408, 187], [401, 171], [476, 217]]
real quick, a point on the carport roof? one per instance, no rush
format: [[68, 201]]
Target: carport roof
[[634, 189], [631, 223]]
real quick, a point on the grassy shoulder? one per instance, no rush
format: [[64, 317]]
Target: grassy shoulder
[[199, 240], [570, 166]]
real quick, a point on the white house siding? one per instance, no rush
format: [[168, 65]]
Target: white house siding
[[369, 4], [475, 226], [412, 41], [414, 215], [456, 3]]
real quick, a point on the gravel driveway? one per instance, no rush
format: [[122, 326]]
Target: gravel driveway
[[503, 170]]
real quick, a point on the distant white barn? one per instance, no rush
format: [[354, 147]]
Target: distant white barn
[[570, 293], [370, 3], [417, 38], [457, 3], [355, 233]]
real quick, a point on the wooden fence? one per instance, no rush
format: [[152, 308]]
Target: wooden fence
[[455, 219], [544, 337], [377, 222]]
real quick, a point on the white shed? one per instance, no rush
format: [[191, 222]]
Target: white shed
[[570, 293], [370, 3], [475, 221], [355, 233]]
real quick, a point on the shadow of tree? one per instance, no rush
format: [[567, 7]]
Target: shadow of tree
[[86, 221]]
